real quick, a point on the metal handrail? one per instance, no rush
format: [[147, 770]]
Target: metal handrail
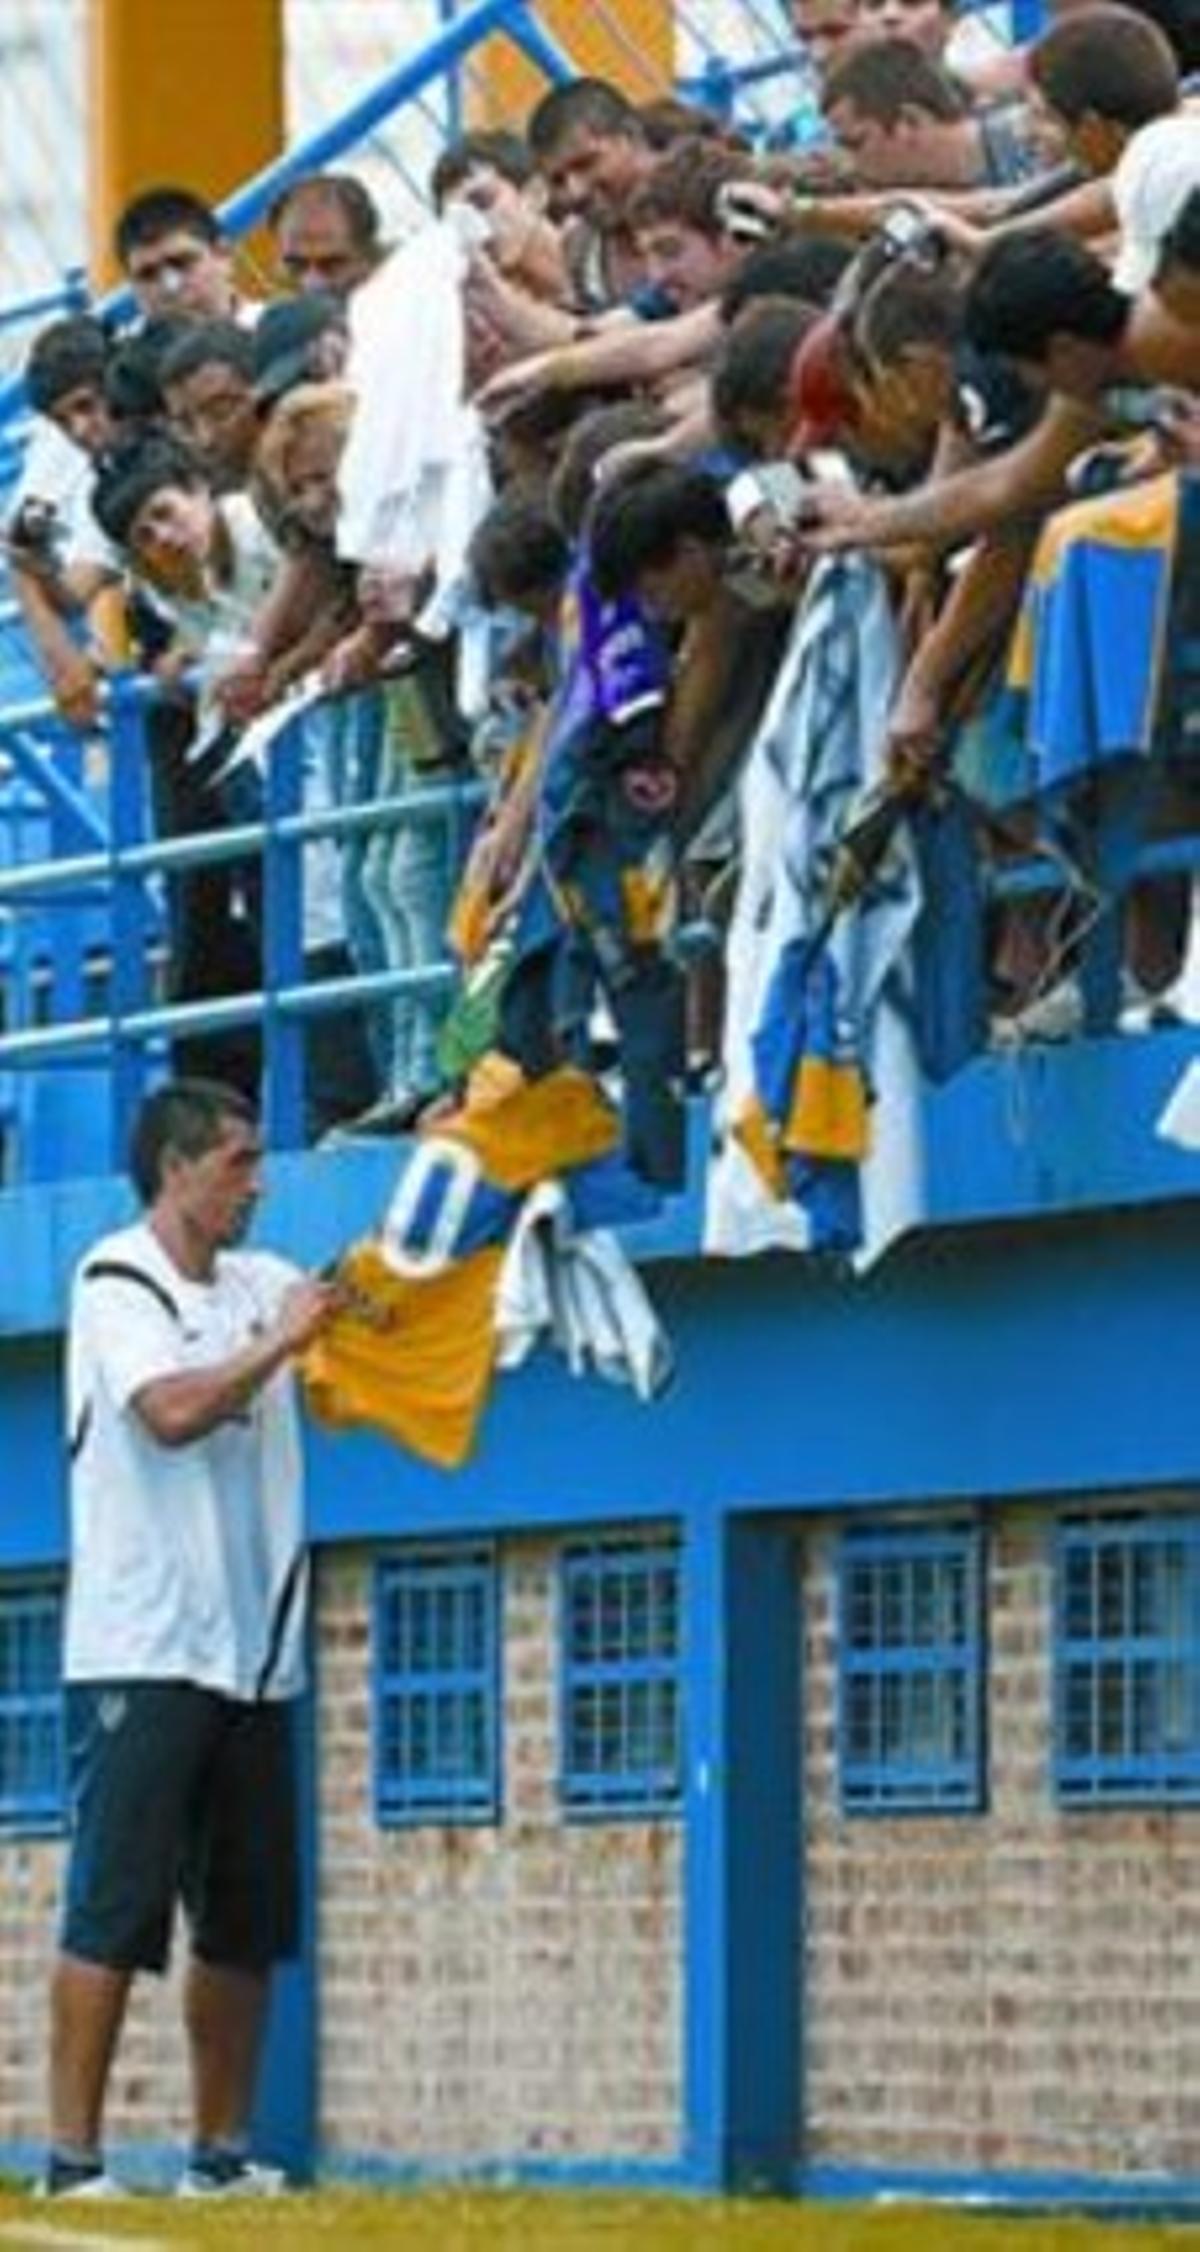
[[70, 296], [487, 19], [211, 848]]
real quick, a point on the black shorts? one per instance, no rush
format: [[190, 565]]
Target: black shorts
[[179, 1794]]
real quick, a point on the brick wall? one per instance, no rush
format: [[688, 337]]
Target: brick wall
[[493, 1992], [148, 2098], [1018, 1989]]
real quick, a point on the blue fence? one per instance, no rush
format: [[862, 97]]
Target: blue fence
[[82, 944]]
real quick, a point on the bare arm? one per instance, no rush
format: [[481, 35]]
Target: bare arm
[[636, 352], [952, 656], [69, 672], [1024, 482], [725, 672], [176, 1410]]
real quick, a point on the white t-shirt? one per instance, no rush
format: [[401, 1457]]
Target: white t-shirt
[[217, 623], [60, 475], [1158, 168], [187, 1562]]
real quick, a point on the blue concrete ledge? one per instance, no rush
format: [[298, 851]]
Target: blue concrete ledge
[[1050, 1132], [153, 2170], [1146, 2197]]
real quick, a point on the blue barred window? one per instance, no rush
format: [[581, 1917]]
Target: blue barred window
[[910, 1706], [32, 1750], [622, 1747], [437, 1723], [1127, 1660]]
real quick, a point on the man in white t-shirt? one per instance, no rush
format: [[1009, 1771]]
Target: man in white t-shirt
[[184, 1635]]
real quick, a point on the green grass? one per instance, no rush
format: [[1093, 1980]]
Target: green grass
[[451, 2221]]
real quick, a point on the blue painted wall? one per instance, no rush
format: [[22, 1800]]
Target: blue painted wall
[[994, 1361], [1040, 1340]]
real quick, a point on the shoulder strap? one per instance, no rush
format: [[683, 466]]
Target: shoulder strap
[[119, 1270], [78, 1438], [279, 1621]]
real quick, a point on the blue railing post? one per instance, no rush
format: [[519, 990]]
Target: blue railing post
[[128, 973], [283, 943], [717, 86]]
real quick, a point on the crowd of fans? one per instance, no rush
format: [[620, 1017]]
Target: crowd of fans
[[658, 464]]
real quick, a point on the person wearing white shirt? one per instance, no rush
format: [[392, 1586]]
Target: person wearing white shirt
[[184, 1635]]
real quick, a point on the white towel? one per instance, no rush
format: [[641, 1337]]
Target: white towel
[[582, 1294], [413, 479], [1180, 1121]]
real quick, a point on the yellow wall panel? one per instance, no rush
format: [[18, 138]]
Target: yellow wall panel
[[181, 92], [631, 42]]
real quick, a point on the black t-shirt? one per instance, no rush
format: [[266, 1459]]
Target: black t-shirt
[[993, 407]]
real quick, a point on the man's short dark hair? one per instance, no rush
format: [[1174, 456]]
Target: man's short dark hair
[[132, 474], [1033, 286], [1181, 243], [518, 551], [588, 105], [666, 121], [132, 376], [884, 77], [163, 211], [809, 269], [1179, 22], [346, 194], [752, 368], [183, 1119], [910, 305], [1108, 61], [683, 187], [573, 485], [64, 356], [207, 344], [506, 153], [639, 522]]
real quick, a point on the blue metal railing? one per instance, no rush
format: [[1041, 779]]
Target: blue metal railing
[[122, 872], [515, 20], [71, 295]]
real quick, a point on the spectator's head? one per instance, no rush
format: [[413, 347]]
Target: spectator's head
[[662, 533], [674, 218], [901, 118], [809, 269], [301, 448], [483, 169], [519, 557], [751, 376], [1049, 305], [526, 445], [1179, 22], [824, 406], [154, 501], [172, 252], [133, 376], [207, 380], [594, 436], [326, 229], [1177, 280], [906, 328], [198, 1141], [590, 146], [826, 30], [928, 23], [65, 378], [1102, 75], [299, 340], [669, 120]]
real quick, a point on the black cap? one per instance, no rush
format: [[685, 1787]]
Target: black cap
[[283, 341]]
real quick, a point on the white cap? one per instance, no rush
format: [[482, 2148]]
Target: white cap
[[1151, 184]]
